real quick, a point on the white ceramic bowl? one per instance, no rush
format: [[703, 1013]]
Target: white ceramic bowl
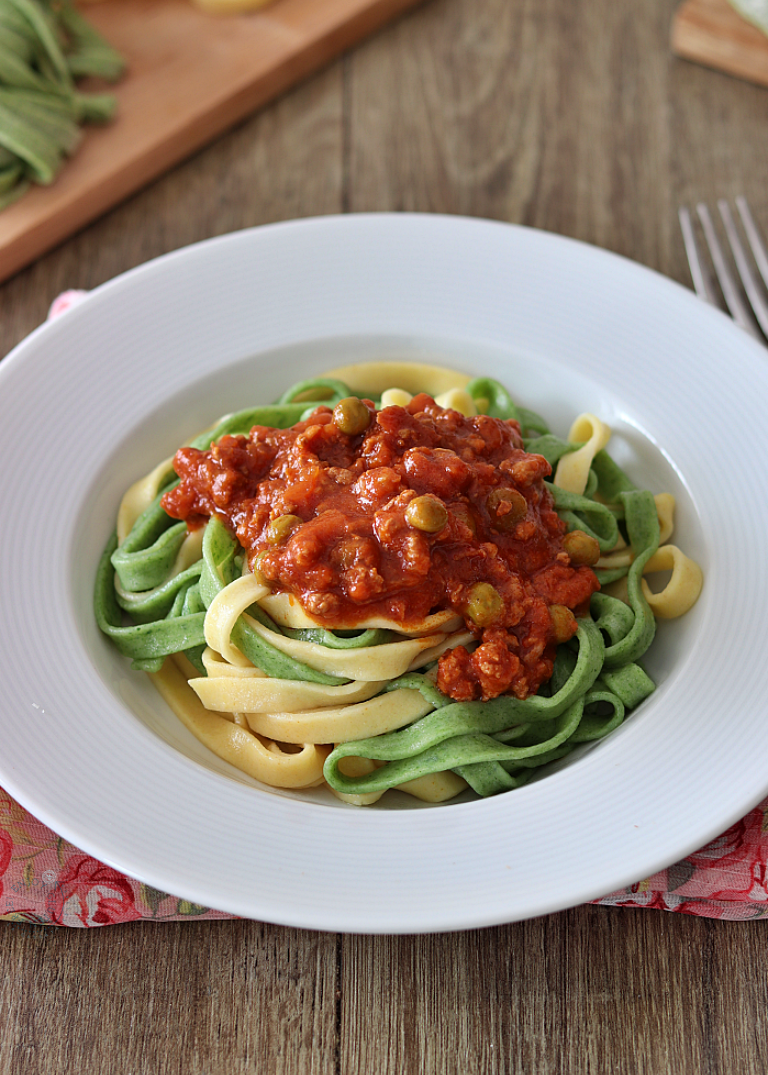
[[91, 401]]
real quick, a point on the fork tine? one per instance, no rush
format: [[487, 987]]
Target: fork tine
[[731, 294], [748, 276], [700, 277], [759, 251]]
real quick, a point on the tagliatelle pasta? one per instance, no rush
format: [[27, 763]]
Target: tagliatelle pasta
[[393, 594], [573, 468]]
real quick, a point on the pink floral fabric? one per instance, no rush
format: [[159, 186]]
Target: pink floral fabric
[[65, 301], [44, 879], [726, 879]]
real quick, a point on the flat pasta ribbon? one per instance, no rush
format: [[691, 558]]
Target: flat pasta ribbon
[[376, 716], [432, 788], [573, 469], [286, 611], [683, 588], [460, 734], [245, 689], [387, 661], [237, 745], [225, 610]]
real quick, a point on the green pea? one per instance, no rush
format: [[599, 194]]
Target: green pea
[[563, 623], [427, 513], [351, 416], [506, 508], [484, 604], [581, 548], [280, 528]]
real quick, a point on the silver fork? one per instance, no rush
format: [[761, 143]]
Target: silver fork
[[750, 282]]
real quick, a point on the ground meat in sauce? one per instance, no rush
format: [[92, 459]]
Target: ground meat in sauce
[[352, 552]]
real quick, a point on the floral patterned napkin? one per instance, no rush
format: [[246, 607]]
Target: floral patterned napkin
[[44, 879]]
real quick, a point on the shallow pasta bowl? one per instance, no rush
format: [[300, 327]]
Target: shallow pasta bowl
[[94, 400]]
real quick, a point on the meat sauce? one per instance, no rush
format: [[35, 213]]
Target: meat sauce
[[423, 510]]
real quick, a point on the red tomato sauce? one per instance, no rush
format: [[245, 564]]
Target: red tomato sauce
[[353, 553]]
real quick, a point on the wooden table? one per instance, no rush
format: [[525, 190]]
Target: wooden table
[[569, 117]]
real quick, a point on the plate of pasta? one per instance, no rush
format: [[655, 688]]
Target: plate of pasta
[[384, 573]]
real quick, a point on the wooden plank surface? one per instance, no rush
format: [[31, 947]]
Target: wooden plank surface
[[712, 33], [569, 117], [587, 991], [190, 77]]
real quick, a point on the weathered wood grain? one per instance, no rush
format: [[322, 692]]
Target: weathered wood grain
[[590, 990], [570, 117], [210, 73], [284, 162], [175, 998]]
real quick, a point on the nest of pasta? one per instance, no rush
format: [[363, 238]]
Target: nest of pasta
[[404, 582]]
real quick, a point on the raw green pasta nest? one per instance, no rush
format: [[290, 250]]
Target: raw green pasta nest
[[45, 47]]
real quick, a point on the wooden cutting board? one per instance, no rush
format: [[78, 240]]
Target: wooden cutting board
[[712, 33], [191, 76]]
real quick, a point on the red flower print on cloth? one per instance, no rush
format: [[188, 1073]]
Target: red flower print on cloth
[[726, 879], [6, 850], [737, 862], [46, 880], [88, 893]]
